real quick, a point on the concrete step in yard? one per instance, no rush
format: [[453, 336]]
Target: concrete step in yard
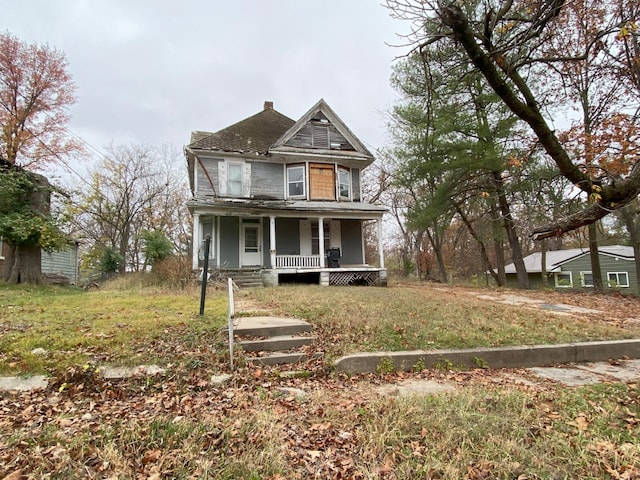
[[274, 344], [275, 340]]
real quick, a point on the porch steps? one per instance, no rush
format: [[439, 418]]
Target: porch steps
[[275, 340], [245, 278]]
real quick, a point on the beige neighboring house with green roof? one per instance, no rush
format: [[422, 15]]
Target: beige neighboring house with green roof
[[572, 269], [283, 198]]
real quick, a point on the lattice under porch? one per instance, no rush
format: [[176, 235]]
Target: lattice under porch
[[355, 278]]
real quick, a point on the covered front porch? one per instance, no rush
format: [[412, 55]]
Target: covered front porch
[[288, 244]]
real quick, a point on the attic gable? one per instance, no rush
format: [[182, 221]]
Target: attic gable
[[321, 129]]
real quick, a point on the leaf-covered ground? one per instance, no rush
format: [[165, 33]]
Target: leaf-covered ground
[[269, 423]]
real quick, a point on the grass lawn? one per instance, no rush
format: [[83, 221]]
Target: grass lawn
[[183, 425]]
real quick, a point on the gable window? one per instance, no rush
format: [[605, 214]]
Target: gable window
[[586, 279], [563, 279], [618, 279], [295, 181], [344, 184]]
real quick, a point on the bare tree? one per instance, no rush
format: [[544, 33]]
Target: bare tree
[[136, 188]]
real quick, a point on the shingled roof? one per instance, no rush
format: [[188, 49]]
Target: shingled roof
[[255, 134]]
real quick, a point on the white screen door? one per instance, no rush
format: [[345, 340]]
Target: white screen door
[[251, 251]]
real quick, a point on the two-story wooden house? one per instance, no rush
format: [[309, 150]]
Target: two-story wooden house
[[283, 197]]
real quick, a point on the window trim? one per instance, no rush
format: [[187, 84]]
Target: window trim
[[582, 282], [557, 274], [347, 171], [303, 181], [617, 274]]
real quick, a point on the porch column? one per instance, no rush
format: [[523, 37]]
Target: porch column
[[380, 249], [216, 235], [196, 241], [272, 240], [321, 242]]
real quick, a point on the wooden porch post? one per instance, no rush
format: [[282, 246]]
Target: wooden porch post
[[321, 242], [380, 249], [272, 240], [196, 241]]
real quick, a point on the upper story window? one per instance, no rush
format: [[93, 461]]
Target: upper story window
[[344, 183], [234, 179], [296, 181]]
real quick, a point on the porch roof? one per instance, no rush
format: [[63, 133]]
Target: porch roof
[[286, 208]]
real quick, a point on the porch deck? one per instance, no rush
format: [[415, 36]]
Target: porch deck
[[351, 274]]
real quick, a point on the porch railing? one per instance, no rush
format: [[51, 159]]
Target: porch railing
[[297, 261]]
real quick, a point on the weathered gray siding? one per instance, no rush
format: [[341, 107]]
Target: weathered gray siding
[[229, 242], [267, 180], [203, 187], [351, 231], [63, 261], [355, 184], [288, 236]]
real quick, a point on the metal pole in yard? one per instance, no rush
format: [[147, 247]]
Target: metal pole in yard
[[230, 321], [205, 273]]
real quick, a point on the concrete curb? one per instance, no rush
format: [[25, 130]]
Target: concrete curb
[[502, 357]]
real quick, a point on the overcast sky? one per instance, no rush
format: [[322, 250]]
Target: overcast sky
[[151, 71]]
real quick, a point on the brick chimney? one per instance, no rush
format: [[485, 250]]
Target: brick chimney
[[268, 105]]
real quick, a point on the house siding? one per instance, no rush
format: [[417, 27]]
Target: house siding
[[351, 231], [267, 180], [203, 187], [229, 242], [288, 236], [63, 261], [607, 264]]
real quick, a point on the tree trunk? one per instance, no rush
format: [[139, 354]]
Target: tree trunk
[[498, 244], [483, 250], [543, 263], [436, 244], [514, 242], [23, 265], [596, 272]]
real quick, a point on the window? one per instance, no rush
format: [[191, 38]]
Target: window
[[344, 185], [586, 279], [618, 279], [295, 181], [315, 237], [564, 280], [234, 179]]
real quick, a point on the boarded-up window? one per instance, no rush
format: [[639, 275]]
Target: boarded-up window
[[322, 184]]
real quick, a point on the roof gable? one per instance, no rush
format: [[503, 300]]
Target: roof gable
[[320, 129]]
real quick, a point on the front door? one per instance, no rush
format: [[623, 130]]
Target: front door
[[250, 249]]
